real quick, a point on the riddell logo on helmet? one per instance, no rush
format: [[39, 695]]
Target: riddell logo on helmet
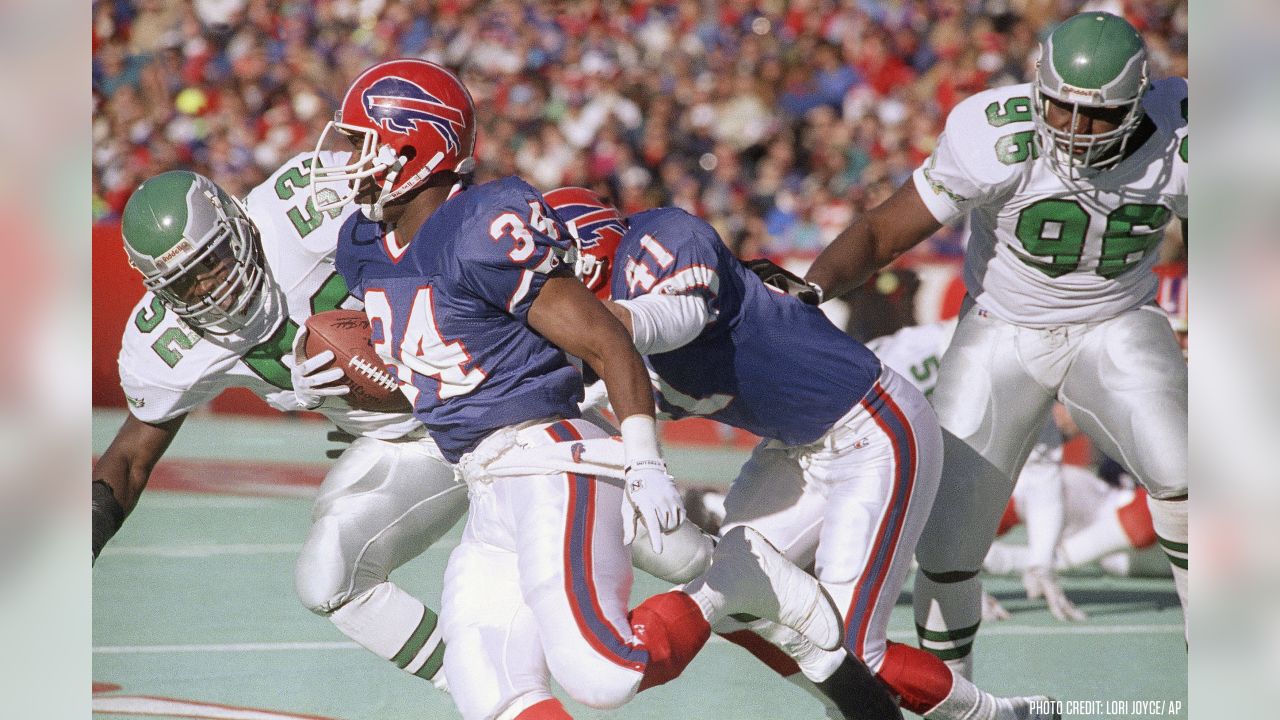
[[182, 248], [1076, 93], [399, 105]]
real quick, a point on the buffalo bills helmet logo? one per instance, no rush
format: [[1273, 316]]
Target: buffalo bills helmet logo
[[596, 224], [399, 106]]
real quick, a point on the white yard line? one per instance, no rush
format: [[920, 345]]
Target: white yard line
[[222, 648], [1011, 630], [203, 550], [1031, 630]]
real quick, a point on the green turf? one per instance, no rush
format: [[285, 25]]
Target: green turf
[[202, 573]]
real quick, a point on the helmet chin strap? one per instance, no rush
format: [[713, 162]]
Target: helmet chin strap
[[387, 194], [373, 211]]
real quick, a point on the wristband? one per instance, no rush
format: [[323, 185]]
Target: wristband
[[108, 514], [640, 440]]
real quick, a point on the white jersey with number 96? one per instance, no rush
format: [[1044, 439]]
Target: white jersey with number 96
[[1043, 250]]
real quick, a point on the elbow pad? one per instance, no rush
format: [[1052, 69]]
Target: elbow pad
[[662, 323]]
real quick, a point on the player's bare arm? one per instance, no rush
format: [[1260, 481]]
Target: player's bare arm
[[564, 311], [122, 472], [873, 241], [570, 316]]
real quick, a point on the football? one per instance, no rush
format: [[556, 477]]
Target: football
[[346, 333]]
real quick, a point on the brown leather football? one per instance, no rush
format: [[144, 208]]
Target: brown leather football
[[346, 333]]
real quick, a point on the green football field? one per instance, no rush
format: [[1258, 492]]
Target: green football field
[[194, 613]]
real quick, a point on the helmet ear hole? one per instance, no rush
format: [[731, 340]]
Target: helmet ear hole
[[409, 152]]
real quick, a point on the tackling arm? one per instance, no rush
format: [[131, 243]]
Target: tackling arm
[[123, 470], [873, 241]]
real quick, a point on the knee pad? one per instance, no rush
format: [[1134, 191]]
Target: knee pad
[[323, 579], [590, 678]]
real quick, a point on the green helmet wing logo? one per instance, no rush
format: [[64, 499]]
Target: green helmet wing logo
[[199, 253], [1094, 58], [169, 218]]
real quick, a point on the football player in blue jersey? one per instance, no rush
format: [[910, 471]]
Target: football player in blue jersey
[[852, 455], [473, 308]]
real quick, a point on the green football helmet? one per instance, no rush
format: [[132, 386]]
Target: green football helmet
[[1093, 60], [199, 253]]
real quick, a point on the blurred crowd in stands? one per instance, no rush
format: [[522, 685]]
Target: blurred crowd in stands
[[779, 122]]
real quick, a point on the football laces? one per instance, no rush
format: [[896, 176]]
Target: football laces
[[377, 374]]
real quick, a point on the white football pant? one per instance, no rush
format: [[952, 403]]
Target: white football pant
[[539, 585], [1124, 381], [853, 503], [381, 504]]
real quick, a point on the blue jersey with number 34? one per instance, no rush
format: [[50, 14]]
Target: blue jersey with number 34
[[449, 313], [767, 363]]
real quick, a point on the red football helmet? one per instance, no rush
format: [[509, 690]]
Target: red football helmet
[[407, 119], [596, 227]]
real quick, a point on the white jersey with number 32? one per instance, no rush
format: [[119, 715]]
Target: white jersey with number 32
[[167, 369], [1043, 250]]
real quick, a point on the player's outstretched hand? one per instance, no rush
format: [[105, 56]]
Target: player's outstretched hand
[[310, 383], [1040, 582], [788, 282], [652, 498]]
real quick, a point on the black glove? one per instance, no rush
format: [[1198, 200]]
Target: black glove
[[107, 515], [785, 280]]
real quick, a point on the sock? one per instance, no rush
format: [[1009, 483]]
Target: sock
[[848, 692], [1170, 520], [395, 626], [966, 701], [549, 709], [921, 680], [860, 695], [672, 628], [948, 615]]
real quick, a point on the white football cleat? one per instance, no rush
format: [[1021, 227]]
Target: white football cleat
[[748, 575]]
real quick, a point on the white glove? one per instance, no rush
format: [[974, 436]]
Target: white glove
[[992, 610], [652, 498], [1041, 582], [310, 388]]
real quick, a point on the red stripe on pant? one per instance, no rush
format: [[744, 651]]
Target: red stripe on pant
[[894, 518], [580, 519]]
